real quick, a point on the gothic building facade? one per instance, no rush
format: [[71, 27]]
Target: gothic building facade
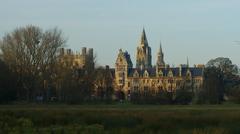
[[160, 77]]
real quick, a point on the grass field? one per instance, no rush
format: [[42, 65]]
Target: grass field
[[121, 118]]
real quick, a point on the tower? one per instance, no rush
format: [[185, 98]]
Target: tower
[[122, 66], [90, 58], [143, 55], [160, 64], [160, 57]]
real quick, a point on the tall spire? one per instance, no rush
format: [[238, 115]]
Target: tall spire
[[187, 62], [160, 57], [160, 49], [143, 55], [144, 38]]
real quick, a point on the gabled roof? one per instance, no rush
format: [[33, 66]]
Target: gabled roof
[[176, 71]]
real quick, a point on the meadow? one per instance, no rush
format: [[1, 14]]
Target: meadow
[[119, 119]]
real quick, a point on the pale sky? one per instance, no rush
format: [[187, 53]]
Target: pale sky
[[198, 29]]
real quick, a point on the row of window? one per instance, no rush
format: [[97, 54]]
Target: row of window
[[156, 81], [146, 89]]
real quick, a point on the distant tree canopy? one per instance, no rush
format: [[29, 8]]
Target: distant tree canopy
[[225, 64], [230, 72], [30, 52], [213, 86]]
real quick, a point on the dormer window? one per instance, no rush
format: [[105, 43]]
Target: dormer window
[[146, 74], [136, 74], [188, 74], [170, 73], [160, 74]]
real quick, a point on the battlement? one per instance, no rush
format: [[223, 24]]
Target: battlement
[[84, 52], [77, 59]]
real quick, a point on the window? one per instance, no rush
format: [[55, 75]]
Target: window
[[145, 89], [120, 59], [121, 74], [160, 88], [135, 88], [135, 81]]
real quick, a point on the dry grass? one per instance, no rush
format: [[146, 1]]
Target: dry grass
[[217, 119]]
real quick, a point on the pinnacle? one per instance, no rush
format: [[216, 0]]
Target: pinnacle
[[160, 48], [143, 38]]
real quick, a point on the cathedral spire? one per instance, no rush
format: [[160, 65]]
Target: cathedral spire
[[144, 41], [143, 55]]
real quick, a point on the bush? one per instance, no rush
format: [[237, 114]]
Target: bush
[[7, 91], [162, 97], [234, 94], [183, 97]]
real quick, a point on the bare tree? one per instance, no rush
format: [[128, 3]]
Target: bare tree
[[104, 83], [74, 84], [30, 52]]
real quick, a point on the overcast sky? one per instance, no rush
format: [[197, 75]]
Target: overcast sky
[[198, 29]]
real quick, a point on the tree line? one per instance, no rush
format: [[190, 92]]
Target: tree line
[[30, 71]]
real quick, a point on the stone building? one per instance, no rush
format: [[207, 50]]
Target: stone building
[[146, 77], [77, 60]]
